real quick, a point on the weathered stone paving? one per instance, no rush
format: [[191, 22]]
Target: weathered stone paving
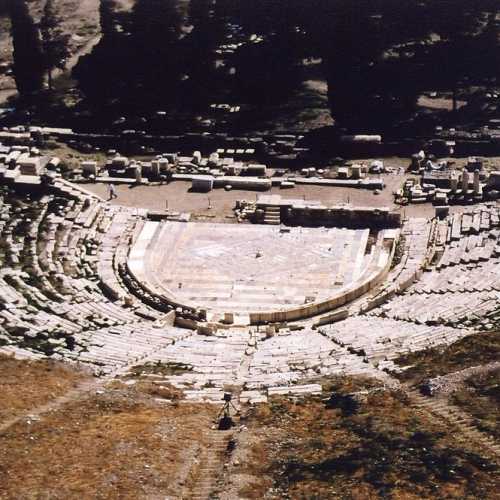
[[252, 268]]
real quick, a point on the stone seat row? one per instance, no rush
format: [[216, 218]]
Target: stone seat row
[[112, 347], [209, 361], [450, 308], [386, 338], [461, 278], [415, 235], [482, 218], [103, 220], [298, 349], [470, 249]]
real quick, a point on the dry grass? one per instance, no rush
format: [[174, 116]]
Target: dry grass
[[71, 157], [163, 391], [121, 441], [386, 449], [25, 385], [140, 441], [474, 350], [120, 444]]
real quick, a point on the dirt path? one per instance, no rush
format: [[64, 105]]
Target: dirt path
[[72, 395], [179, 198]]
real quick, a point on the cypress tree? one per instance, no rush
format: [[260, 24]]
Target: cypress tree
[[105, 74], [155, 35], [200, 46], [28, 56], [107, 17]]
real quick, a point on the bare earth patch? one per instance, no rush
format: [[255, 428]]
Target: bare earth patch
[[217, 206]]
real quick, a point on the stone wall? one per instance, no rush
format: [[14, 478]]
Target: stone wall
[[295, 214]]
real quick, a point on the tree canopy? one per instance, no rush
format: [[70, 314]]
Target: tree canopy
[[377, 55], [54, 40]]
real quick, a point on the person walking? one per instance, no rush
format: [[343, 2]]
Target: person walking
[[112, 192]]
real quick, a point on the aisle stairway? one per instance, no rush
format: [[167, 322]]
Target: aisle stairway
[[210, 468], [455, 417], [272, 215]]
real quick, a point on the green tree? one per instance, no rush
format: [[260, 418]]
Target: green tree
[[54, 41], [466, 35], [156, 56], [367, 47], [28, 56]]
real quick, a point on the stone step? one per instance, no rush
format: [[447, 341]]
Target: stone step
[[272, 221]]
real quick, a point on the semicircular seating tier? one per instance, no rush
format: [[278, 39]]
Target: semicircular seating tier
[[87, 282]]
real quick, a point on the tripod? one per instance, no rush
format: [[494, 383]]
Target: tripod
[[226, 422]]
